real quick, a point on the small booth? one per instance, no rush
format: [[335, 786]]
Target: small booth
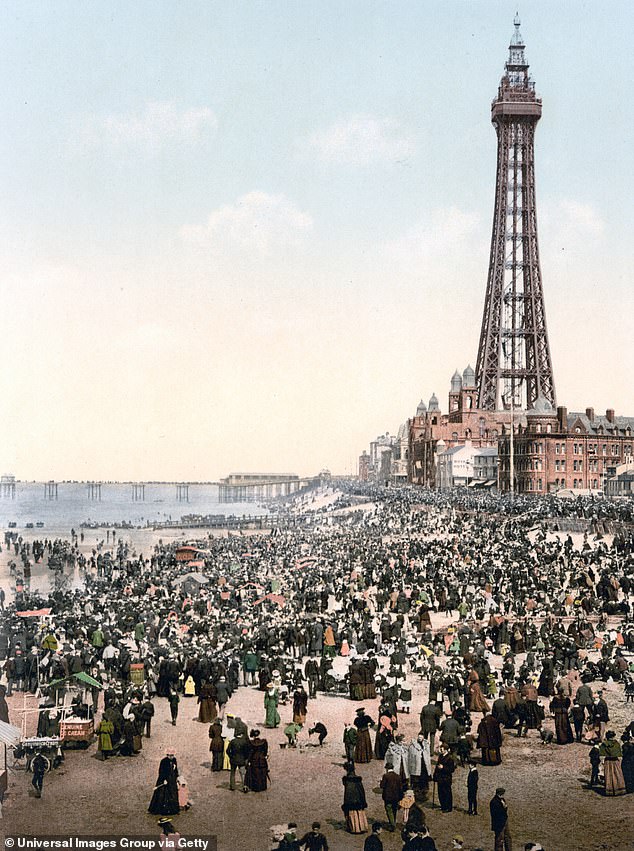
[[77, 725]]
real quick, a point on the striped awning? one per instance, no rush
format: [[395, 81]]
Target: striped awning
[[9, 735]]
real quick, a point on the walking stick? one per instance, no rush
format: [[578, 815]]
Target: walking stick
[[433, 794]]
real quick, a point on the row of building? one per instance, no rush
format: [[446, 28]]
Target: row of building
[[543, 450]]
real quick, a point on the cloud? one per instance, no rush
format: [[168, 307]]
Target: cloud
[[444, 236], [159, 124], [581, 218], [257, 222], [362, 140]]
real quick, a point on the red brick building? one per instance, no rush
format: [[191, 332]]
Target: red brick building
[[555, 450], [431, 431]]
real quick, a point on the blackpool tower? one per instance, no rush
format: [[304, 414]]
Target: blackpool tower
[[514, 367]]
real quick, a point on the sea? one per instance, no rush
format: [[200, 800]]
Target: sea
[[113, 504]]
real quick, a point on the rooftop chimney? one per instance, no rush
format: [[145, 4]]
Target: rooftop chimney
[[590, 414], [562, 418], [609, 415]]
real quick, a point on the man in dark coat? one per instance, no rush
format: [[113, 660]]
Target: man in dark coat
[[392, 787], [472, 789], [585, 698], [443, 772], [500, 821], [165, 797], [39, 767], [311, 673], [238, 751], [430, 722]]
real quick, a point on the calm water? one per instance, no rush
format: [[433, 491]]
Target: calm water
[[74, 505]]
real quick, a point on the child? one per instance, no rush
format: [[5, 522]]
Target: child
[[321, 731], [463, 749], [183, 794], [174, 700], [472, 789], [595, 761], [290, 731]]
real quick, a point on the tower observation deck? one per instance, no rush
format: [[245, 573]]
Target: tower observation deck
[[514, 366]]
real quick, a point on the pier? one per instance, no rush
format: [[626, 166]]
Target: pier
[[138, 492], [50, 490], [256, 487], [94, 491]]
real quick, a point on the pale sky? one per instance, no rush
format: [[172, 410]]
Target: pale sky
[[250, 236]]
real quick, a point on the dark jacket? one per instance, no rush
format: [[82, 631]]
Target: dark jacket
[[373, 843], [392, 787], [499, 814], [353, 794], [238, 750], [430, 718]]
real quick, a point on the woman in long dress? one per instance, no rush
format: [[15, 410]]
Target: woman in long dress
[[216, 746], [271, 699], [165, 797], [560, 706], [384, 733], [627, 763], [610, 749], [354, 802], [207, 711], [490, 740], [257, 763], [300, 706], [477, 703], [363, 748]]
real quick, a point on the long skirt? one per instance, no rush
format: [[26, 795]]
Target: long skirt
[[563, 728], [477, 703], [532, 715], [382, 743], [491, 756], [356, 821], [363, 749], [614, 780], [207, 711], [257, 774]]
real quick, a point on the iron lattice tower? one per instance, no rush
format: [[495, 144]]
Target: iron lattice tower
[[514, 366]]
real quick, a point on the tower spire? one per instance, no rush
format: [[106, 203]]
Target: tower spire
[[514, 366]]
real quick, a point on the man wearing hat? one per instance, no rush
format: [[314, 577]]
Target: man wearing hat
[[314, 840], [500, 821]]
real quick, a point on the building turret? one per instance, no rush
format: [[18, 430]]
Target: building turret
[[468, 377]]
